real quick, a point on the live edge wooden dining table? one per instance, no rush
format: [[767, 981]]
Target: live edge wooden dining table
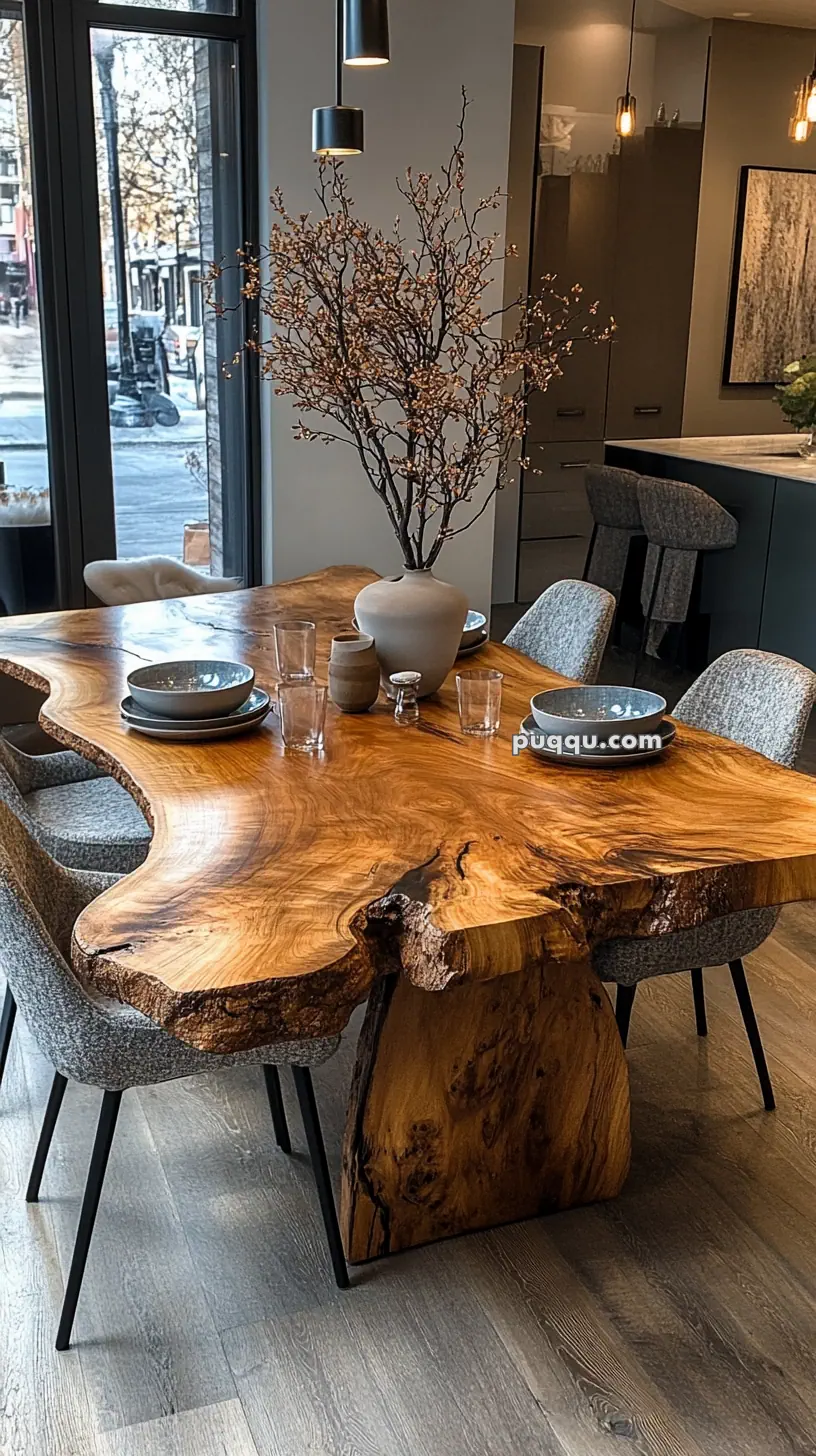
[[454, 886]]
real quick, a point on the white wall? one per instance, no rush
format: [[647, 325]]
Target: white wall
[[318, 508]]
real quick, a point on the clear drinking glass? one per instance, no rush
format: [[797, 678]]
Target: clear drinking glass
[[302, 715], [480, 693], [406, 685], [295, 650]]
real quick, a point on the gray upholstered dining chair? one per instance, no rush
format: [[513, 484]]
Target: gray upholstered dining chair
[[115, 1047], [42, 770], [566, 629], [612, 494], [764, 702], [84, 819], [87, 824], [680, 522]]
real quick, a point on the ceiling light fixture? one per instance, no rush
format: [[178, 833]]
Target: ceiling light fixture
[[366, 33], [800, 127], [626, 115], [337, 131], [810, 95]]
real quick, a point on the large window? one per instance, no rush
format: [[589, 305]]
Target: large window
[[143, 124], [27, 573], [167, 137]]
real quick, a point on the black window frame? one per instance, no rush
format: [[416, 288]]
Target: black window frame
[[66, 208]]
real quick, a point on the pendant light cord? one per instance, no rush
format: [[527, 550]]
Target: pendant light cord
[[631, 47], [338, 39]]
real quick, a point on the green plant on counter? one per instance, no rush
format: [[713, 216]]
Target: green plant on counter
[[797, 393]]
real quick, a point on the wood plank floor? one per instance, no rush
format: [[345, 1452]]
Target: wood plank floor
[[678, 1321]]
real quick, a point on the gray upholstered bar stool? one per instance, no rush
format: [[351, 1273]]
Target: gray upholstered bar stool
[[566, 629], [764, 702], [613, 500], [116, 1047], [680, 522]]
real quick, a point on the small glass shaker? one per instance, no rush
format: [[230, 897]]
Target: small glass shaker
[[407, 686]]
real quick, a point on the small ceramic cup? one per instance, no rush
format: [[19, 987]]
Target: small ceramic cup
[[354, 672]]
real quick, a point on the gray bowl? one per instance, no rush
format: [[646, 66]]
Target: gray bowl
[[597, 709], [192, 689], [475, 623]]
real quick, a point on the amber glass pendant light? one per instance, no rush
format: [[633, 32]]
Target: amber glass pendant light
[[800, 128], [626, 115], [809, 87]]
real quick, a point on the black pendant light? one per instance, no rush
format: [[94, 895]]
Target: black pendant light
[[366, 33], [337, 131]]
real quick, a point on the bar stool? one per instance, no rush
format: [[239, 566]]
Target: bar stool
[[680, 521], [613, 500]]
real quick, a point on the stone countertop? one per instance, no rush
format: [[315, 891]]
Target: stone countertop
[[775, 455]]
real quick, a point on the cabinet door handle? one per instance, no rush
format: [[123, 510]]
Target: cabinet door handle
[[573, 465], [570, 414], [648, 409]]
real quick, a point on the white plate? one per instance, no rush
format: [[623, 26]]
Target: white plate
[[598, 757], [189, 733], [256, 706]]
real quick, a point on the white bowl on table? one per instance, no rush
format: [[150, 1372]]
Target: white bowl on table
[[474, 629]]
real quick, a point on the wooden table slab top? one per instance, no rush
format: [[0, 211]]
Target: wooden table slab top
[[278, 886], [457, 887]]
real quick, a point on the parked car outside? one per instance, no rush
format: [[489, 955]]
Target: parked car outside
[[179, 342]]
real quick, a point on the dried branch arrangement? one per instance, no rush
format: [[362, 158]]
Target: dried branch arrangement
[[385, 335]]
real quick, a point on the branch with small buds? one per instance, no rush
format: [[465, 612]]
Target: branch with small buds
[[391, 344]]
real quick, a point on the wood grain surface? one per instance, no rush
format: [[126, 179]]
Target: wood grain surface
[[510, 1099], [280, 890], [261, 909]]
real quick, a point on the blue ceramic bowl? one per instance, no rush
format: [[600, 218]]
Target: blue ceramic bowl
[[192, 689], [597, 708]]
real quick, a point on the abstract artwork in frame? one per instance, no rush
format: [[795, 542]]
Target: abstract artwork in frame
[[772, 317]]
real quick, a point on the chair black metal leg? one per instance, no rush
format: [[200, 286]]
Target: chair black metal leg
[[644, 636], [6, 1028], [624, 1001], [55, 1097], [320, 1168], [90, 1203], [276, 1107], [698, 992], [746, 1006], [590, 549]]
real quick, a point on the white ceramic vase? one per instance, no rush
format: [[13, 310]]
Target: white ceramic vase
[[416, 622]]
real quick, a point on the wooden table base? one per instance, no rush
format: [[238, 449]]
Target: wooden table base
[[493, 1101]]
